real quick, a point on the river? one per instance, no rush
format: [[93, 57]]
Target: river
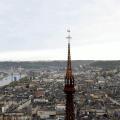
[[10, 78]]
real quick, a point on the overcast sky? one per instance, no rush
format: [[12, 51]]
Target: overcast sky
[[36, 29]]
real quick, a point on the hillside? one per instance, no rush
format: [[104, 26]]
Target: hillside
[[106, 64], [39, 64]]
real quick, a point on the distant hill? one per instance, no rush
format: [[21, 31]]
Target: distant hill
[[39, 64], [106, 64], [58, 64]]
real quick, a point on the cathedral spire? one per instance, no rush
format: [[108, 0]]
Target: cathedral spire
[[69, 75], [69, 86]]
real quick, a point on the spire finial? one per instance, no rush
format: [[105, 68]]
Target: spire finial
[[68, 37]]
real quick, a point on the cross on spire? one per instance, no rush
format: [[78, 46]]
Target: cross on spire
[[69, 37]]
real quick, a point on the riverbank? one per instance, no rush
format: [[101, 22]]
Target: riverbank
[[10, 78]]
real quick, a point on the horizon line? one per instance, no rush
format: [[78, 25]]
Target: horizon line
[[57, 60]]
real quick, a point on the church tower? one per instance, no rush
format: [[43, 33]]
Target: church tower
[[69, 86]]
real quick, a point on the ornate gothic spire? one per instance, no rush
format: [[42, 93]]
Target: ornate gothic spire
[[69, 75], [69, 86]]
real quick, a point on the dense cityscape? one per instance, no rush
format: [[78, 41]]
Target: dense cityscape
[[44, 75], [37, 94]]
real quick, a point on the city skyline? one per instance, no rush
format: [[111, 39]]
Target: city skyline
[[36, 30]]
